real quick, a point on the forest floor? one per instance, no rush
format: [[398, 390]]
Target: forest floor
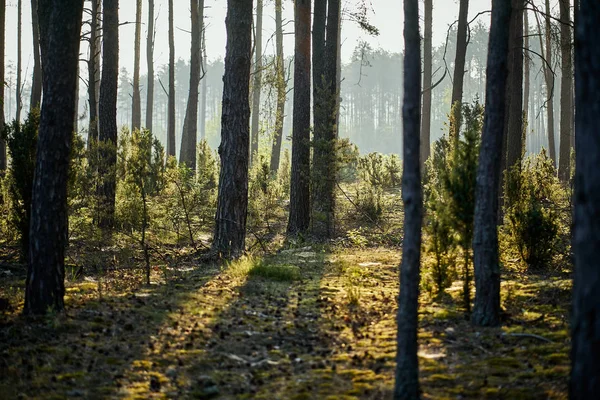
[[308, 323]]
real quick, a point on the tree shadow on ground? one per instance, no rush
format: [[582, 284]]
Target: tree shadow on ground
[[88, 351]]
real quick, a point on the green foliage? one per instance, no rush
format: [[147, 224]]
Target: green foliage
[[21, 140], [188, 201], [449, 196], [533, 217], [369, 203], [140, 174], [380, 171], [347, 160], [265, 193]]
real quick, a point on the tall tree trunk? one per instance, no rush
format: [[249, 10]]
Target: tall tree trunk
[[19, 100], [427, 77], [527, 66], [189, 136], [585, 324], [257, 84], [150, 62], [76, 116], [566, 93], [324, 169], [2, 45], [94, 70], [281, 88], [108, 113], [459, 70], [203, 87], [550, 86], [171, 106], [407, 363], [232, 203], [299, 217], [60, 28], [36, 83], [136, 102], [514, 105], [486, 310]]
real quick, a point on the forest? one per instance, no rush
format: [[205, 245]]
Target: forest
[[332, 220]]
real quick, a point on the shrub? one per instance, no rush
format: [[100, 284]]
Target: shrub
[[450, 198], [533, 216], [265, 193], [21, 140]]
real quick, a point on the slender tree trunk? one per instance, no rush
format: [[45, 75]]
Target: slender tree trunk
[[36, 83], [60, 27], [486, 310], [407, 363], [189, 136], [585, 324], [171, 106], [19, 100], [232, 203], [76, 116], [427, 77], [281, 88], [527, 66], [566, 93], [550, 86], [136, 102], [203, 87], [324, 169], [459, 70], [150, 62], [108, 113], [514, 105], [2, 78], [299, 218], [94, 71], [257, 84]]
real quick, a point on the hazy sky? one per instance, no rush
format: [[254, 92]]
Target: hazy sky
[[386, 15]]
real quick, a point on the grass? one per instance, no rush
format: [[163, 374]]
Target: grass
[[305, 323]]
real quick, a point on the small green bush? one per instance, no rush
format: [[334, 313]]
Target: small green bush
[[533, 216], [21, 140]]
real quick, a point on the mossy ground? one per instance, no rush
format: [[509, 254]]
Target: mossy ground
[[308, 323]]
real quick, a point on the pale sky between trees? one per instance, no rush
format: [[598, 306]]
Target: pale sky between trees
[[386, 15]]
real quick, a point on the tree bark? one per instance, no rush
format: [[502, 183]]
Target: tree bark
[[566, 93], [550, 87], [514, 108], [585, 323], [36, 82], [407, 363], [3, 163], [324, 158], [459, 70], [203, 87], [136, 102], [257, 84], [281, 88], [527, 68], [171, 105], [486, 310], [232, 203], [94, 70], [19, 100], [299, 217], [150, 62], [189, 136], [427, 78], [60, 27], [108, 113]]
